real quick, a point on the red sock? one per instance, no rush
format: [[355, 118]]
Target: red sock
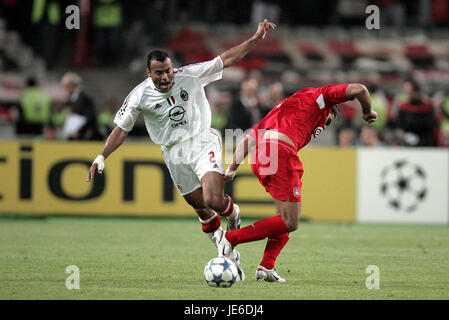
[[272, 249], [211, 224], [259, 230], [229, 208]]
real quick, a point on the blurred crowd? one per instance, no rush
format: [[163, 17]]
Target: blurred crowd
[[410, 117], [105, 24], [38, 117]]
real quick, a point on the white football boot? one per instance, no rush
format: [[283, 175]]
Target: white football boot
[[225, 249], [235, 256], [269, 275], [234, 219], [223, 245]]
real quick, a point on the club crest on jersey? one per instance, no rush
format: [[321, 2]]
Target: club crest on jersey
[[184, 95], [316, 132], [296, 192]]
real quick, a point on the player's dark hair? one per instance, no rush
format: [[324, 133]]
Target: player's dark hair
[[158, 55], [334, 111]]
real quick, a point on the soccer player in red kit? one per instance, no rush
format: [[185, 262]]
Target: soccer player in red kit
[[277, 138]]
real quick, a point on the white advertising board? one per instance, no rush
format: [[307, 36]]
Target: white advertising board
[[405, 185]]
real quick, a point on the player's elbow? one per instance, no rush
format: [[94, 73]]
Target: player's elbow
[[227, 61], [122, 134], [356, 90]]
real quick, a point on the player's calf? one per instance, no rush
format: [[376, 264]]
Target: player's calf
[[210, 226], [225, 207], [232, 213]]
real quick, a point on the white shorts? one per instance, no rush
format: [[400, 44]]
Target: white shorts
[[189, 161]]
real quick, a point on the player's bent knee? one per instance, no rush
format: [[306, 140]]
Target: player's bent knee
[[291, 224]]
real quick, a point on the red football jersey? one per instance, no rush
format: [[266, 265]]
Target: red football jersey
[[303, 115]]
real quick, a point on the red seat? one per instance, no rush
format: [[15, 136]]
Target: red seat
[[344, 48], [419, 51]]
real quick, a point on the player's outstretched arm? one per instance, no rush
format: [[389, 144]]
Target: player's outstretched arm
[[361, 93], [114, 141], [236, 53], [242, 150]]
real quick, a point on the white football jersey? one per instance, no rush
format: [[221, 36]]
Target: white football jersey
[[178, 114]]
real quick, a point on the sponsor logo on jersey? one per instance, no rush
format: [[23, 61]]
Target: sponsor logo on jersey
[[316, 132], [176, 113], [157, 106], [184, 95]]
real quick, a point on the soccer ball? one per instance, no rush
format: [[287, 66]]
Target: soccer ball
[[220, 272]]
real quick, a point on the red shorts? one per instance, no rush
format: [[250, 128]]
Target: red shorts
[[278, 168]]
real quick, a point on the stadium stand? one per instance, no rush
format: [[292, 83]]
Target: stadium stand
[[296, 55]]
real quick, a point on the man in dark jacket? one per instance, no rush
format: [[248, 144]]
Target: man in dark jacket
[[245, 110], [417, 117], [81, 123]]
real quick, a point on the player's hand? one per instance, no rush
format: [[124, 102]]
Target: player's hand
[[370, 117], [263, 28], [97, 165], [229, 174]]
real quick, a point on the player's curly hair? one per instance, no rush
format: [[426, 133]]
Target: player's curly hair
[[158, 55], [335, 112]]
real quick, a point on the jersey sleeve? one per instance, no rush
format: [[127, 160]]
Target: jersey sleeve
[[207, 71], [126, 117], [334, 94]]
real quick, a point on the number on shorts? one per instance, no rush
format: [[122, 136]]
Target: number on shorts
[[212, 157]]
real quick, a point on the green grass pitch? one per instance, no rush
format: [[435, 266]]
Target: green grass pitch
[[151, 259]]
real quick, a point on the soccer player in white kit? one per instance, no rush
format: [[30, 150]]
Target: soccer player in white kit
[[177, 116]]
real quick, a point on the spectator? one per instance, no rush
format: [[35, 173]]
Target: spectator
[[245, 110], [417, 117], [369, 137], [59, 114], [81, 122], [275, 94], [346, 137], [107, 20], [34, 109], [45, 19], [220, 112], [49, 133]]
